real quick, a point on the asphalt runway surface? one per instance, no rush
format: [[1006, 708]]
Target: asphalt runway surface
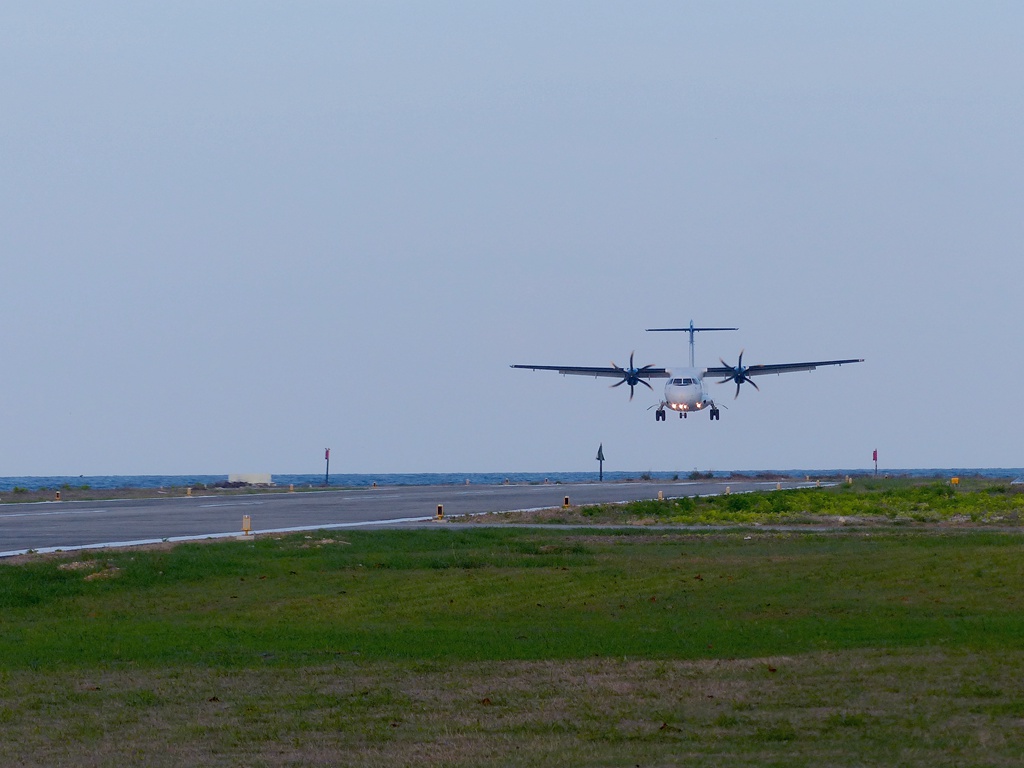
[[67, 525]]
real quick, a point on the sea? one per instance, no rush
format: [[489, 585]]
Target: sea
[[343, 480]]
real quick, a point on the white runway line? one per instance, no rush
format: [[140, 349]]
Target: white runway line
[[232, 504], [202, 536], [47, 514]]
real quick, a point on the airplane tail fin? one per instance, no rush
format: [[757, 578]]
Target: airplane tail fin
[[692, 329]]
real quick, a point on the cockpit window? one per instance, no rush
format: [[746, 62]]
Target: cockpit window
[[683, 382]]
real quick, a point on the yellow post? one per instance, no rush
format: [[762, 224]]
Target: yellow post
[[440, 512], [778, 486], [291, 487], [58, 495], [188, 491], [728, 490], [817, 483], [661, 495], [246, 525]]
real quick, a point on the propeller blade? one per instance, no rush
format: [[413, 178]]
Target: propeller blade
[[738, 375], [632, 375]]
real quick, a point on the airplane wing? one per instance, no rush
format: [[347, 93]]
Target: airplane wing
[[646, 372], [630, 376], [761, 370]]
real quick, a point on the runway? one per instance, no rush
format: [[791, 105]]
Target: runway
[[53, 526]]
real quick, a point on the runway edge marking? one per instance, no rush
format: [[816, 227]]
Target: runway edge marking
[[203, 536]]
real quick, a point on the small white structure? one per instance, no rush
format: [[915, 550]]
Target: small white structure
[[251, 479]]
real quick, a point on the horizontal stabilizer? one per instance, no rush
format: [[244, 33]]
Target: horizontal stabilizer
[[691, 328]]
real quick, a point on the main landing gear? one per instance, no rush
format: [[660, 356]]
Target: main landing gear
[[714, 413]]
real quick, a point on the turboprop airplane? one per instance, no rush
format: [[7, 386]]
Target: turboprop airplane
[[685, 390]]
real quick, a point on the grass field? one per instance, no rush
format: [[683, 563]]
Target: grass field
[[483, 646], [864, 501]]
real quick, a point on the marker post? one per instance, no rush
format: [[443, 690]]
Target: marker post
[[327, 471], [600, 462]]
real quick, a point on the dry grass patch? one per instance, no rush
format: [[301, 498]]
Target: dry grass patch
[[854, 708]]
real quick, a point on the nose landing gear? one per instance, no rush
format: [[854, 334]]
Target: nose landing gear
[[715, 414]]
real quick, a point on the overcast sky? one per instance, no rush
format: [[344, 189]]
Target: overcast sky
[[236, 233]]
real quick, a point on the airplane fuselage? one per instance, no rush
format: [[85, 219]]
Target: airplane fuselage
[[685, 392]]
